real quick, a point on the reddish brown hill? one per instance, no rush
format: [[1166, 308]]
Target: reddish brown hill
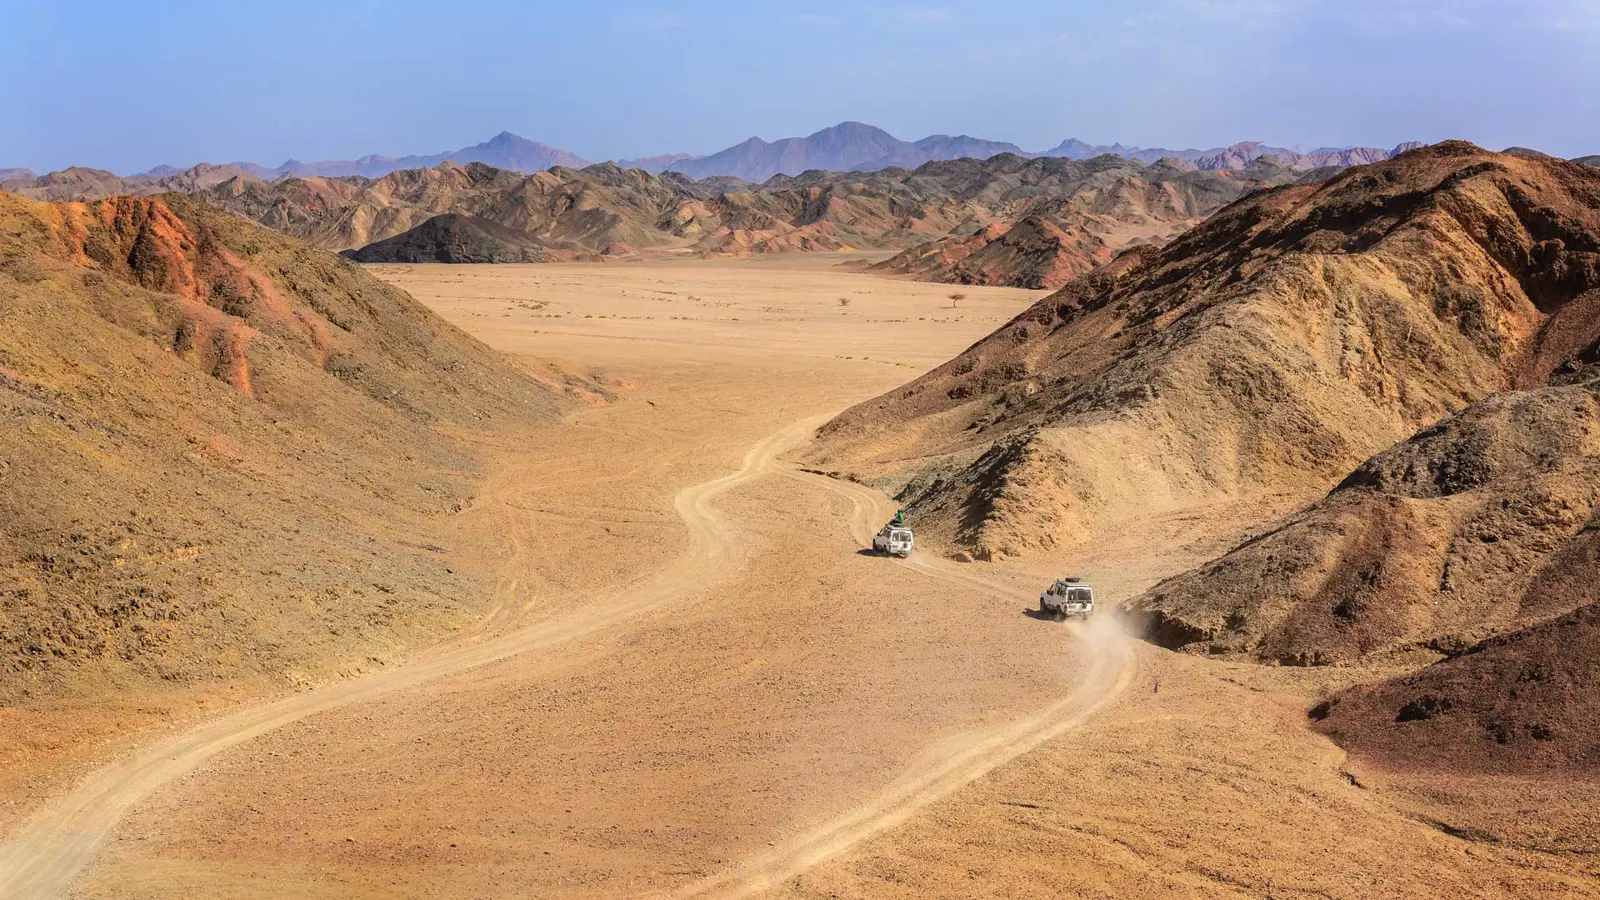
[[1524, 703], [1273, 348], [75, 183], [78, 183], [221, 448], [344, 213], [1483, 524], [1032, 253]]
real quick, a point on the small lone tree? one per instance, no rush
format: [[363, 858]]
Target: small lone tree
[[955, 298]]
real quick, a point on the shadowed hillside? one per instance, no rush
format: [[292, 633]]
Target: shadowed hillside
[[453, 238], [1522, 703]]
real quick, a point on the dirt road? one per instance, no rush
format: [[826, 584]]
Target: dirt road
[[43, 859], [951, 764], [940, 772]]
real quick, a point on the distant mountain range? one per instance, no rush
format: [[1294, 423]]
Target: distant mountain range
[[846, 147], [853, 147], [503, 151], [1236, 156], [655, 165]]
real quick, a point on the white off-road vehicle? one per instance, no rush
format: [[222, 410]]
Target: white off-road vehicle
[[893, 540], [1068, 598]]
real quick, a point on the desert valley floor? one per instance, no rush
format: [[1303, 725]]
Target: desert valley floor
[[691, 681]]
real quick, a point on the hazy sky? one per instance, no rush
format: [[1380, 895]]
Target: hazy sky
[[127, 85]]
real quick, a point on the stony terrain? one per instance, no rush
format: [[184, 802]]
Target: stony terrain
[[1270, 350]]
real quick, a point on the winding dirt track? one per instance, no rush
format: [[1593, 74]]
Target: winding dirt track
[[48, 852], [948, 766], [44, 857]]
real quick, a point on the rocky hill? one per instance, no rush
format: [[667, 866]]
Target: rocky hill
[[950, 206], [345, 213], [1523, 703], [504, 151], [1062, 218], [1483, 524], [223, 454], [453, 238], [1075, 214], [1271, 349], [77, 183]]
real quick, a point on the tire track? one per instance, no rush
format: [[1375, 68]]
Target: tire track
[[947, 767], [44, 856]]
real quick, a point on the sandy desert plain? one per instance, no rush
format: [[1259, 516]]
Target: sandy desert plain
[[691, 680]]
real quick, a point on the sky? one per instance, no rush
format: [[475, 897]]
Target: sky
[[125, 86]]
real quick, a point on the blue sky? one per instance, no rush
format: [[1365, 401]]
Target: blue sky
[[127, 85]]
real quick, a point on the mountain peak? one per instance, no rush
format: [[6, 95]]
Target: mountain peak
[[852, 126], [847, 146]]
